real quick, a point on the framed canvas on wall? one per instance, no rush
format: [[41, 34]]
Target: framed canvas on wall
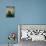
[[10, 11]]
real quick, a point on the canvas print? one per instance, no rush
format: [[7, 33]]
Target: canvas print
[[10, 11], [33, 32]]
